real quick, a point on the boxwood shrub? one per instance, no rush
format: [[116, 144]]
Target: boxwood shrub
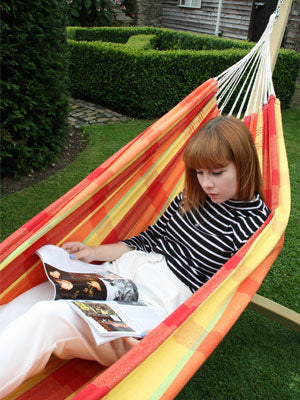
[[147, 83], [141, 42], [34, 84]]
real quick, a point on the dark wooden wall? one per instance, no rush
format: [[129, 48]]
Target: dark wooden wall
[[292, 35], [234, 23], [237, 19], [240, 19]]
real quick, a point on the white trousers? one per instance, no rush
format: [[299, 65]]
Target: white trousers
[[32, 327]]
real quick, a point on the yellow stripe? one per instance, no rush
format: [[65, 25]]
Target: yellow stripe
[[37, 235], [127, 158], [284, 178], [121, 209], [51, 367], [259, 137], [148, 376], [17, 281], [93, 187], [170, 353], [143, 382]]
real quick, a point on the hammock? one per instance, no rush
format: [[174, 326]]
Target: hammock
[[121, 198]]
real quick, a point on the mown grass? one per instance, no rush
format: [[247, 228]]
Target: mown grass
[[258, 359], [17, 208]]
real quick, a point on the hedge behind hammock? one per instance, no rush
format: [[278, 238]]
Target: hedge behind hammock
[[119, 199]]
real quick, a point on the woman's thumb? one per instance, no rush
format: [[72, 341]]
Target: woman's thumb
[[79, 255]]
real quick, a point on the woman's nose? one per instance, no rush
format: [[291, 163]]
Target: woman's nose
[[207, 181]]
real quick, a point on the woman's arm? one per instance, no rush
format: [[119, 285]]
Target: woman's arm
[[105, 252], [110, 252], [148, 239]]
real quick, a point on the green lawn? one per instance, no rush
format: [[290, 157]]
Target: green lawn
[[258, 359], [17, 208]]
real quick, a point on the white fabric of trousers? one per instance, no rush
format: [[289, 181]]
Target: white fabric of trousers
[[32, 326]]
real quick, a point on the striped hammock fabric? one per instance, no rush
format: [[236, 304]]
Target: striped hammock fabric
[[121, 198]]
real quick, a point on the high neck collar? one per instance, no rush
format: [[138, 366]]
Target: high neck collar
[[239, 204]]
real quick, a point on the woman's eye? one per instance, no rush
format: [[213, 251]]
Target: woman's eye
[[217, 172], [211, 172]]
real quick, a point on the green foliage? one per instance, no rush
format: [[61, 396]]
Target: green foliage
[[34, 84], [107, 34], [103, 142], [141, 42], [174, 40], [285, 75], [129, 7], [150, 82], [98, 12], [90, 12]]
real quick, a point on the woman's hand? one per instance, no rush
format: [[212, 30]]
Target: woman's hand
[[80, 251], [105, 252]]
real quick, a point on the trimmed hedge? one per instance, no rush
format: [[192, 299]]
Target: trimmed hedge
[[107, 34], [141, 42], [148, 83], [166, 39], [34, 84]]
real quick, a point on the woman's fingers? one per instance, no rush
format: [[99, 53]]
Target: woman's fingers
[[73, 247], [77, 251], [84, 255]]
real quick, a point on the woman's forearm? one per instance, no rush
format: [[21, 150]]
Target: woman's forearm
[[105, 252], [110, 252]]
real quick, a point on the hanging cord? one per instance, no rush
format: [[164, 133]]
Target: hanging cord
[[253, 74], [277, 11]]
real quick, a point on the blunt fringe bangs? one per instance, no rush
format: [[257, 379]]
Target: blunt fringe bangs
[[221, 141]]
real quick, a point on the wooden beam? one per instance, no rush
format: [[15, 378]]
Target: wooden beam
[[259, 304], [275, 43], [278, 31], [268, 308]]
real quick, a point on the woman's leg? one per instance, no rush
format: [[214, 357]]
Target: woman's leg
[[9, 312], [27, 342], [49, 327], [156, 283]]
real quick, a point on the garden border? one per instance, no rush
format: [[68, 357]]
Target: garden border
[[148, 83]]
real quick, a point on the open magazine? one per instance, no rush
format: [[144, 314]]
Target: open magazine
[[75, 279], [105, 300], [111, 320]]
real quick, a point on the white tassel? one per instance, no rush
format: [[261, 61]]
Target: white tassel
[[253, 70]]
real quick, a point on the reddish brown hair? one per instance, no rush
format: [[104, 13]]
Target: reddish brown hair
[[221, 141]]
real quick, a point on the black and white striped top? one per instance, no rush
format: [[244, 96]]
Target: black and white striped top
[[197, 244]]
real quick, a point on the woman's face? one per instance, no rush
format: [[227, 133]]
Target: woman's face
[[219, 184]]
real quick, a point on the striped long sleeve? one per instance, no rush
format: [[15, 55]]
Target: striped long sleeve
[[197, 244]]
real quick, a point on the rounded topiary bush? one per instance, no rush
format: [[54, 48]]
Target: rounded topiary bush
[[34, 84]]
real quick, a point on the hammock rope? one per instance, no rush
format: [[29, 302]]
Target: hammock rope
[[257, 65]]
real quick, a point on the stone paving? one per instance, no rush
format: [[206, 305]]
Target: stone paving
[[83, 113]]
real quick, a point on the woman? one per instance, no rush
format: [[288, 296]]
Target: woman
[[219, 209]]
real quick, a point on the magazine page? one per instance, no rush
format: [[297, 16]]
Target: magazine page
[[75, 279], [111, 320]]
